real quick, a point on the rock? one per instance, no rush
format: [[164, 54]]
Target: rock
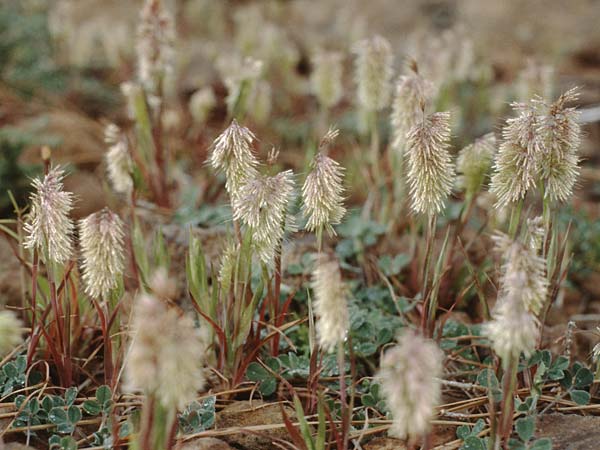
[[247, 414], [204, 444], [570, 431]]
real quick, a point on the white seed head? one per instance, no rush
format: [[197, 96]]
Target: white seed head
[[330, 304], [513, 329], [373, 73], [233, 155], [560, 133], [596, 351], [201, 104], [412, 91], [10, 332], [326, 78], [430, 167], [240, 76], [409, 377], [48, 227], [516, 163], [474, 162], [523, 272], [262, 206], [155, 44], [101, 238], [322, 193], [166, 354], [118, 160]]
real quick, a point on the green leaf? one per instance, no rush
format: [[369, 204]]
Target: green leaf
[[268, 386], [103, 395], [580, 397], [70, 396], [256, 372], [92, 407], [583, 378], [473, 443], [487, 378], [57, 416], [561, 363], [10, 370], [541, 444], [68, 443], [74, 414], [525, 428]]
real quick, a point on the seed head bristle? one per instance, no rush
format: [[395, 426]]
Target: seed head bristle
[[155, 44], [412, 91], [48, 227], [323, 191], [474, 162], [118, 160], [326, 78], [560, 133], [101, 238], [330, 304], [166, 354], [373, 72], [430, 168], [409, 377], [233, 155], [262, 206]]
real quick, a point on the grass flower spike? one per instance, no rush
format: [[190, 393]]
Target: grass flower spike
[[118, 160], [49, 228], [523, 272], [326, 78], [513, 330], [373, 73], [262, 206], [156, 36], [166, 354], [101, 236], [322, 193], [474, 162], [516, 163], [430, 168], [412, 91], [232, 154], [10, 332], [330, 304], [409, 377], [560, 134]]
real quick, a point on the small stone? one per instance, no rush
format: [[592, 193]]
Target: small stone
[[204, 444]]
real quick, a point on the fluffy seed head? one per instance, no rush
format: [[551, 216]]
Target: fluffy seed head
[[513, 329], [330, 304], [49, 228], [262, 206], [373, 73], [232, 154], [101, 238], [516, 163], [409, 377], [474, 162], [240, 76], [523, 272], [118, 160], [430, 168], [201, 103], [412, 91], [322, 193], [326, 78], [560, 134], [166, 354], [10, 332], [228, 265], [156, 36]]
